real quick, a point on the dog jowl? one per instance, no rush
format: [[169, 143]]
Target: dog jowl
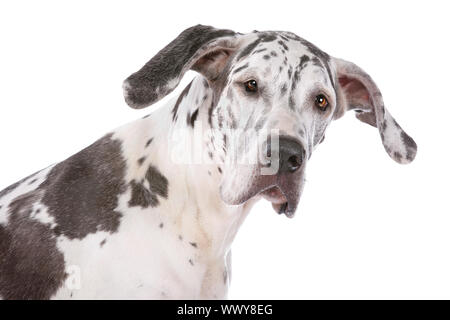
[[139, 215]]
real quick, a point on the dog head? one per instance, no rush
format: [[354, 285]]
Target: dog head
[[273, 96]]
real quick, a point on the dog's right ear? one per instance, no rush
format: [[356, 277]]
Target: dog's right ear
[[200, 48]]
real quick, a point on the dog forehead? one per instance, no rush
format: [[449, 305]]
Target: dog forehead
[[273, 52]]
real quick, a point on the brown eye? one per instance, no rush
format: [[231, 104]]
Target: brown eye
[[321, 102], [251, 86]]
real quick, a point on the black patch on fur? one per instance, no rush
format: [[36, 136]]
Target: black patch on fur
[[148, 84], [248, 49], [148, 142], [324, 57], [31, 266], [191, 262], [82, 192], [285, 47], [303, 60], [190, 119], [161, 225], [210, 112], [268, 36], [240, 68], [193, 244], [102, 243], [179, 99], [266, 57], [143, 197], [141, 160], [259, 50], [283, 89]]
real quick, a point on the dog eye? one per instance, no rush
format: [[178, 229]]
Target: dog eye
[[321, 102], [251, 86]]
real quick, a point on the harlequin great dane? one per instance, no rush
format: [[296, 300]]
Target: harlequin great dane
[[132, 217]]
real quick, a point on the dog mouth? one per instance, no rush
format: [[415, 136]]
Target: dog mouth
[[278, 200], [282, 190], [284, 201]]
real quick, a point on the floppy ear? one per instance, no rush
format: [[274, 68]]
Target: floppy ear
[[200, 48], [356, 90]]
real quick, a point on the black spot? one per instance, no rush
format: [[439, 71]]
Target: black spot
[[31, 266], [161, 225], [149, 141], [158, 183], [141, 160], [324, 58], [219, 169], [143, 197], [268, 36], [102, 243], [266, 57], [316, 61], [283, 89], [290, 72], [145, 117], [82, 192], [248, 49], [210, 112], [397, 155], [32, 181], [179, 99], [180, 237], [301, 132], [259, 50], [190, 120], [303, 60], [241, 68], [273, 54], [191, 262], [285, 47], [194, 244]]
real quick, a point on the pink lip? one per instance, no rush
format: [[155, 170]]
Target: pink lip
[[274, 195]]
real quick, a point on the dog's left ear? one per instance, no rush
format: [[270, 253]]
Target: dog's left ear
[[356, 90], [200, 48]]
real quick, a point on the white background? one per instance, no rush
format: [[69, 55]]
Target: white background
[[366, 227]]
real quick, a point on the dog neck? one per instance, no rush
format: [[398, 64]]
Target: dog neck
[[173, 135]]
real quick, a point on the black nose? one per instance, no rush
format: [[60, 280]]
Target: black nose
[[290, 154]]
